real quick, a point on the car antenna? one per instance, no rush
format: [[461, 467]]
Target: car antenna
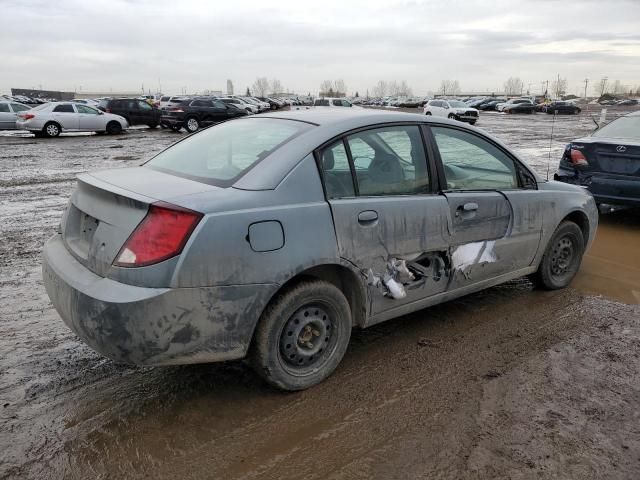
[[553, 124]]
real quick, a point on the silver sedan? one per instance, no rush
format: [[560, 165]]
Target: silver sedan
[[9, 114], [52, 119], [271, 237]]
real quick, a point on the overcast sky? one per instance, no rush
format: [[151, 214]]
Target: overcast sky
[[96, 45]]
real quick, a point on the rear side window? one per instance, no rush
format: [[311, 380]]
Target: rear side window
[[222, 154], [66, 108], [4, 107], [165, 99], [336, 171], [321, 103], [19, 108]]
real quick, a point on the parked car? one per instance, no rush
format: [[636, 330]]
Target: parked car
[[273, 236], [520, 106], [454, 109], [562, 107], [262, 106], [134, 110], [193, 114], [52, 119], [273, 104], [332, 102], [168, 101], [491, 105], [248, 107], [9, 114], [607, 162]]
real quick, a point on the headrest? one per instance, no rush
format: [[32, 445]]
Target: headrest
[[328, 161]]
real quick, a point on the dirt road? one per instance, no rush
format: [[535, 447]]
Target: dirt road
[[508, 383]]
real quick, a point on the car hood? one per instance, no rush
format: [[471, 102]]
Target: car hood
[[464, 109]]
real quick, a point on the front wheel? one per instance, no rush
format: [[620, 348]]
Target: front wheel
[[452, 116], [428, 113], [561, 259], [302, 336]]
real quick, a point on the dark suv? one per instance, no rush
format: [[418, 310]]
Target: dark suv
[[135, 111], [199, 112]]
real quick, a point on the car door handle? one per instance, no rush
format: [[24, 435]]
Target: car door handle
[[367, 217], [466, 208]]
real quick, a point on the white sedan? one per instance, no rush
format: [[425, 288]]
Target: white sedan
[[454, 109], [51, 119]]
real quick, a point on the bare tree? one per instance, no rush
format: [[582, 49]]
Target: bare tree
[[449, 87], [340, 87], [406, 89], [559, 87], [617, 88], [326, 86], [513, 86], [276, 86], [229, 87], [380, 89], [260, 86], [601, 87]]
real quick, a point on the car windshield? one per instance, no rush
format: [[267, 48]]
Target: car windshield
[[221, 154], [457, 104], [624, 127]]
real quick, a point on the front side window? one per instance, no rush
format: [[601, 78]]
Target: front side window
[[65, 108], [144, 105], [471, 163], [222, 154]]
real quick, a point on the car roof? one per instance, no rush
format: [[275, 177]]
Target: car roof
[[328, 124]]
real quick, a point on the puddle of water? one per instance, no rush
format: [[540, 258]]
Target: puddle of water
[[612, 266]]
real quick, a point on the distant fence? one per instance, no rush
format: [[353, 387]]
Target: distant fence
[[43, 93]]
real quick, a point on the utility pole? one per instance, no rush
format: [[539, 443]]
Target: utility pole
[[586, 82]]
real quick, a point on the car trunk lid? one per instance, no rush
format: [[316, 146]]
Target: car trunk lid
[[616, 158], [106, 207]]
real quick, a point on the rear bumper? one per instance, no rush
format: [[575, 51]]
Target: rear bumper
[[611, 189], [171, 121], [152, 326]]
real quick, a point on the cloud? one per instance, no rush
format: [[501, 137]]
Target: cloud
[[197, 45]]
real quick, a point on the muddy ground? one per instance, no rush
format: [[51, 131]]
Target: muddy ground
[[509, 383]]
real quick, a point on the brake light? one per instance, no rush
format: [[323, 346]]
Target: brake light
[[162, 234], [176, 110], [577, 158], [26, 116]]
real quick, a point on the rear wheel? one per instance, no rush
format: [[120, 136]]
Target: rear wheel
[[152, 125], [452, 116], [428, 113], [51, 129], [192, 124], [114, 128], [561, 259], [302, 335]]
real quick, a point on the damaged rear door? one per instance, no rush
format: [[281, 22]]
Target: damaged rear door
[[495, 217], [388, 220]]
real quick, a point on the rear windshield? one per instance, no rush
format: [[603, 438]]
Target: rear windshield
[[223, 153], [623, 127]]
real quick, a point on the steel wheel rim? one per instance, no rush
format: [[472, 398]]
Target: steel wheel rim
[[52, 130], [308, 339], [192, 124], [562, 256]]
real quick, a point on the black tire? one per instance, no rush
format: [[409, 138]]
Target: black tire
[[114, 128], [39, 134], [51, 129], [452, 116], [192, 124], [152, 125], [302, 335], [561, 259], [428, 113], [176, 128], [472, 122], [163, 126]]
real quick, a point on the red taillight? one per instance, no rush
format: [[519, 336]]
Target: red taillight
[[162, 234], [26, 116], [578, 159]]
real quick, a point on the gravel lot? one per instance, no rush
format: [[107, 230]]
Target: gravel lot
[[508, 383]]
